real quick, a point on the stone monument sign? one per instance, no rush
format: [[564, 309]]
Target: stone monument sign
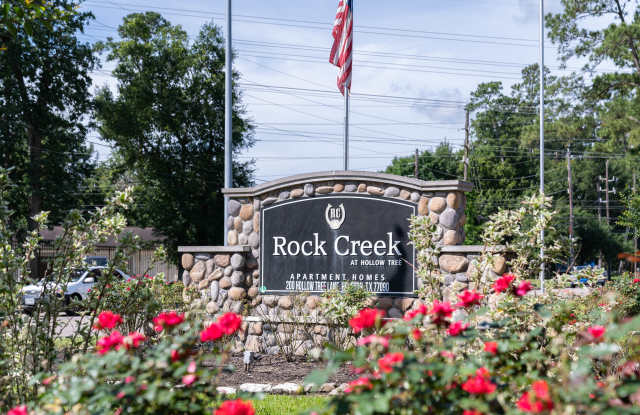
[[317, 244]]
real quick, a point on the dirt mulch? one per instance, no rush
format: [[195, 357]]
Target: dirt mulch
[[274, 369]]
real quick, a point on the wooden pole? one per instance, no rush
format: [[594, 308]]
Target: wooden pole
[[570, 189], [606, 189], [466, 144]]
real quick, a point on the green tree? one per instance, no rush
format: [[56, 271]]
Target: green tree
[[167, 122], [44, 100], [441, 164], [18, 17]]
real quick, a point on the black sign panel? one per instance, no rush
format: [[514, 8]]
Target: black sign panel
[[320, 243]]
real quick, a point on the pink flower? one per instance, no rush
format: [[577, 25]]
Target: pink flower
[[189, 379], [129, 379], [366, 319], [175, 355], [107, 320], [471, 412], [211, 333], [359, 384], [112, 341], [386, 362], [636, 280], [133, 340], [537, 402], [491, 347], [48, 380], [596, 331], [229, 323], [120, 395], [523, 288], [235, 407], [411, 314], [18, 410], [169, 319], [503, 283], [480, 384], [374, 339], [447, 354], [456, 328], [192, 367], [440, 310], [469, 298]]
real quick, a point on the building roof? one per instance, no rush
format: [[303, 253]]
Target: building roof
[[145, 234]]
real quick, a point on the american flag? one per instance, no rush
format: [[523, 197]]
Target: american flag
[[342, 38]]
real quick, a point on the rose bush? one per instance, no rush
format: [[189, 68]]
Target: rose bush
[[524, 354], [127, 374]]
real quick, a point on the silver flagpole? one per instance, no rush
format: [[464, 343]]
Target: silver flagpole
[[346, 127], [542, 136], [228, 178]]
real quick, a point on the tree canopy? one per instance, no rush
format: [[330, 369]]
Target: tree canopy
[[166, 122], [44, 106]]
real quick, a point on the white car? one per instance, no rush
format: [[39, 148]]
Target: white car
[[80, 282]]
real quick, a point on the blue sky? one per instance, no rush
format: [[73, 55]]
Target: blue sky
[[429, 53]]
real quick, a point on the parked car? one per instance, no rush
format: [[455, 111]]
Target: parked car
[[80, 282], [96, 261]]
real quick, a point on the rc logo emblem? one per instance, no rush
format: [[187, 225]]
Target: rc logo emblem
[[334, 216]]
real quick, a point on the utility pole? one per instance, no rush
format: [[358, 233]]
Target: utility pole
[[541, 67], [606, 188], [635, 240], [570, 207], [415, 165], [466, 144]]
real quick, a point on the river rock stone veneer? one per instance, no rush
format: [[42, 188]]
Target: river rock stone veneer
[[228, 278]]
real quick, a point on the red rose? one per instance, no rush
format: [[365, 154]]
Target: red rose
[[469, 298], [229, 323], [480, 384], [537, 402], [112, 341], [503, 283], [440, 310], [596, 331], [411, 314], [456, 328], [235, 407], [366, 319], [636, 280], [211, 333], [175, 355], [523, 288], [107, 320], [386, 362], [471, 412], [169, 319], [416, 334], [491, 347], [359, 384], [18, 410]]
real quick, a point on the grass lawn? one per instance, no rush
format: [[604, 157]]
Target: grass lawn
[[287, 404]]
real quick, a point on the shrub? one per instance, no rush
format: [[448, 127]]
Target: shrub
[[525, 357], [127, 375]]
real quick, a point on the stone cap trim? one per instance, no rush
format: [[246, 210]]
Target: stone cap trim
[[348, 175], [470, 249], [215, 249]]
